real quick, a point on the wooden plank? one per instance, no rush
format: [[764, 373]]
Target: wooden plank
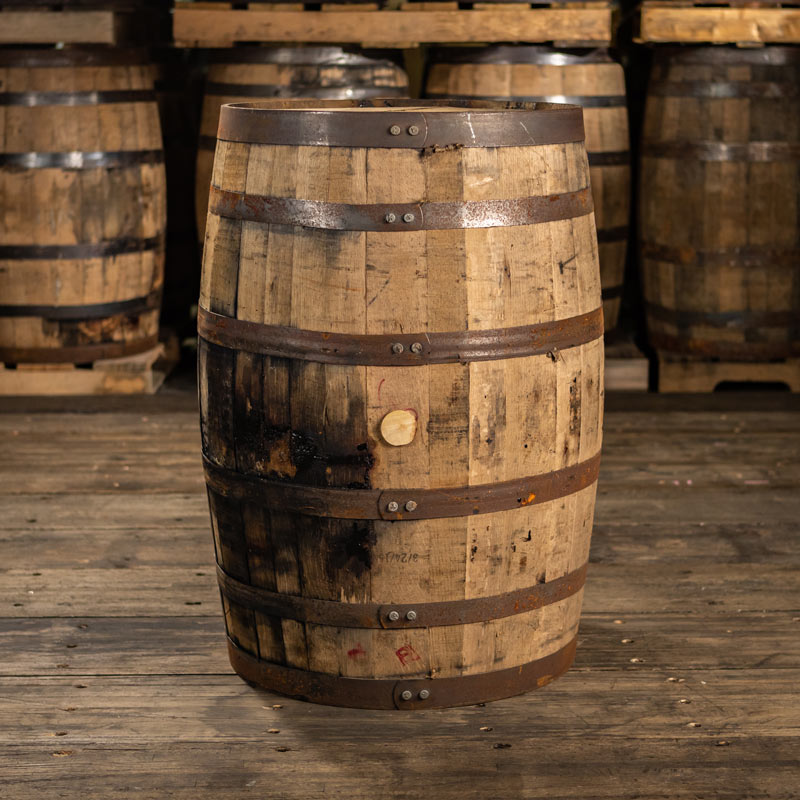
[[139, 374], [82, 646], [705, 376], [410, 762], [721, 25], [221, 28], [49, 27], [617, 704]]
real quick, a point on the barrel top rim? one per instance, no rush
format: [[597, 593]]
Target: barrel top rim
[[519, 54], [402, 123], [73, 56]]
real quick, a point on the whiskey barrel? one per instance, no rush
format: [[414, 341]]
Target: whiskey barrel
[[83, 195], [401, 371], [720, 232], [589, 78], [248, 73]]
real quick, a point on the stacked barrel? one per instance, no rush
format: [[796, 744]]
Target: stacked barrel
[[83, 196], [720, 229]]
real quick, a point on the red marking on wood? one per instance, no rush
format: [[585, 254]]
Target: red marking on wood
[[407, 654], [412, 411], [383, 380], [357, 651]]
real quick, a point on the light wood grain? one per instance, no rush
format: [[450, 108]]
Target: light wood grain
[[661, 23], [606, 131], [212, 28]]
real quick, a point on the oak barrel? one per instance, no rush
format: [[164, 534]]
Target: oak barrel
[[401, 371], [720, 200], [248, 73], [589, 78], [83, 205]]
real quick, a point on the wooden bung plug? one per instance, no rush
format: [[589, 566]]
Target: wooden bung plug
[[399, 428]]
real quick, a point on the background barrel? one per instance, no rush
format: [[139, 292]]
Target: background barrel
[[83, 205], [248, 73], [588, 78], [401, 372], [720, 192]]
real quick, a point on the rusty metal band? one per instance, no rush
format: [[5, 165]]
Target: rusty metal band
[[376, 615], [388, 694], [81, 160], [110, 247], [725, 319], [619, 158], [734, 56], [474, 123], [723, 151], [394, 217], [35, 99], [726, 351], [749, 256], [608, 235], [718, 90], [73, 57], [307, 56], [137, 305], [585, 101], [401, 350], [458, 501], [77, 354], [519, 54], [267, 90], [611, 292]]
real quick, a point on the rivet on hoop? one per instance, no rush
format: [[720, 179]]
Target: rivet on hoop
[[397, 348], [395, 130], [393, 616], [393, 506], [411, 505], [413, 130], [406, 695], [424, 694], [408, 217], [411, 615], [416, 348], [390, 217]]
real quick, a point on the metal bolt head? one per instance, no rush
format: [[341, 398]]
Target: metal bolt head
[[393, 616], [390, 217], [411, 505], [413, 130], [411, 615], [397, 348], [424, 694], [406, 695], [408, 217], [395, 130], [416, 348], [393, 506]]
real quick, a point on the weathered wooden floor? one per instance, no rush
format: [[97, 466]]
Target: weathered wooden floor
[[114, 675]]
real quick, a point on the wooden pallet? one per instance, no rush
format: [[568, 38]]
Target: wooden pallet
[[703, 21], [627, 369], [76, 22], [140, 374], [404, 24], [705, 376]]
